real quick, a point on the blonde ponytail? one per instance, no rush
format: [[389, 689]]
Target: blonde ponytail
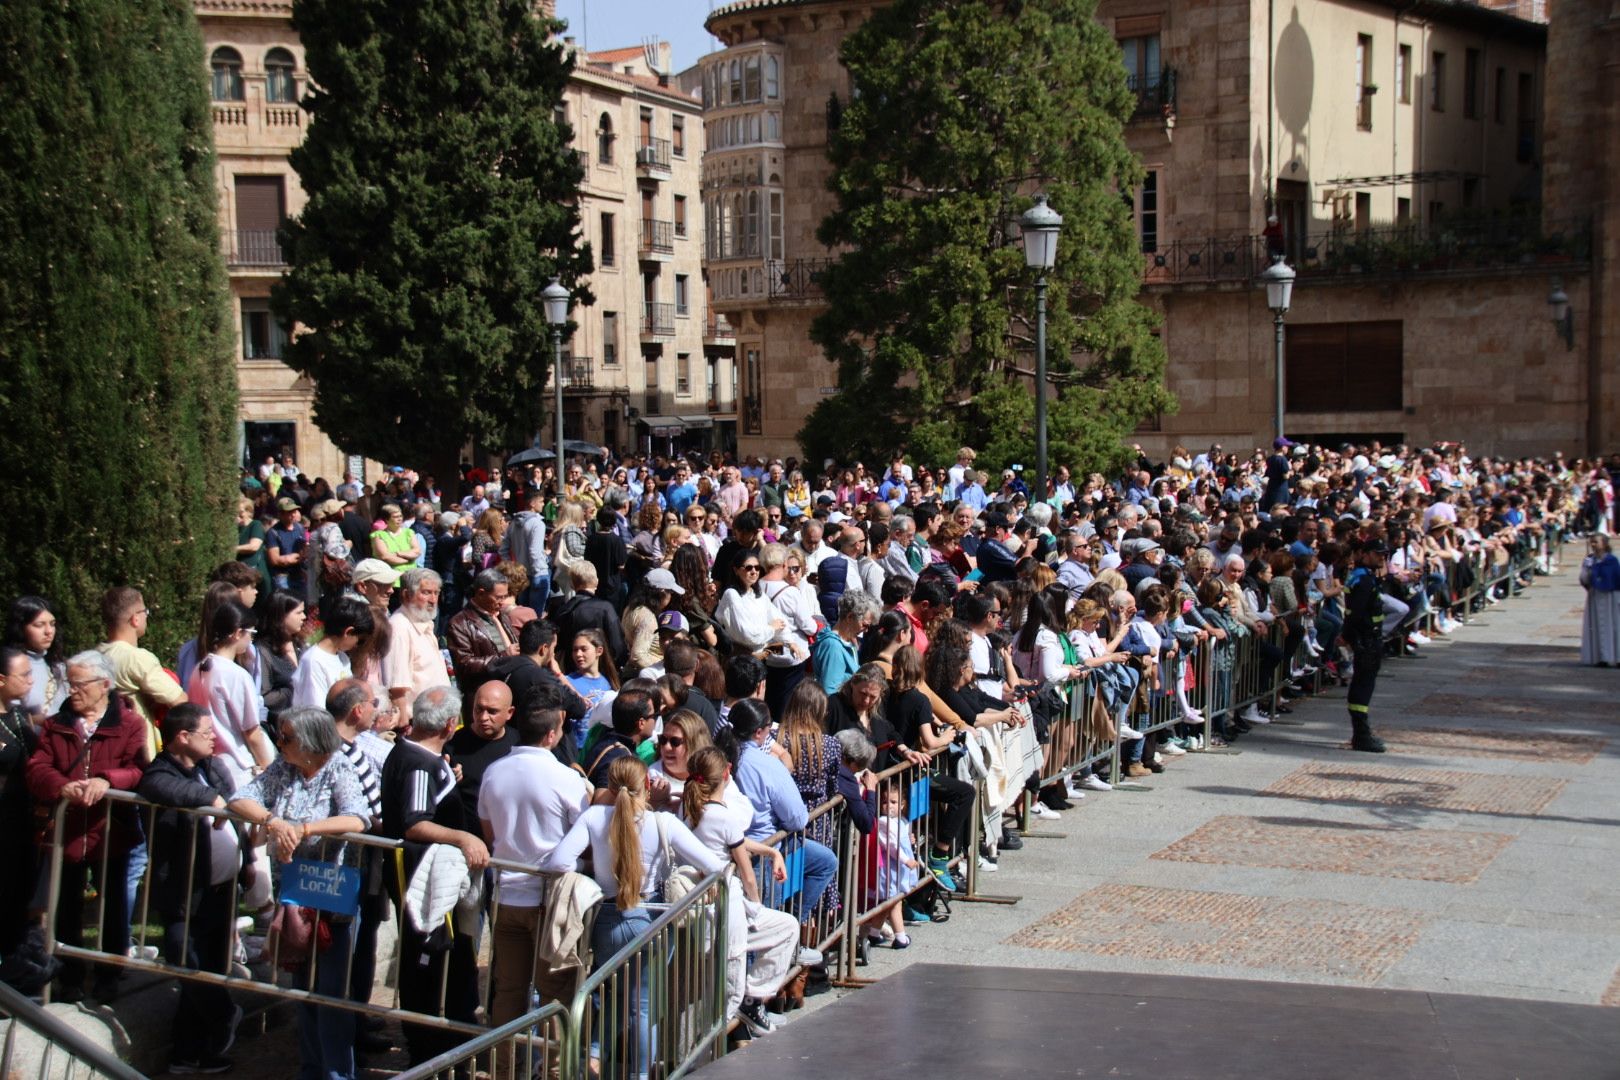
[[627, 779]]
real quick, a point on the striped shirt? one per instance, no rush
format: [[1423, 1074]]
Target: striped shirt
[[370, 785]]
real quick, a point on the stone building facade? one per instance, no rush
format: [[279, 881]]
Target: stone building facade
[[645, 348], [1400, 145]]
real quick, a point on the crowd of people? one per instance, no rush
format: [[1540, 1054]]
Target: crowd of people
[[672, 661]]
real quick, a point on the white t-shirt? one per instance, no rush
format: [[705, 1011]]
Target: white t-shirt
[[229, 694], [590, 831], [979, 653], [318, 671], [530, 800]]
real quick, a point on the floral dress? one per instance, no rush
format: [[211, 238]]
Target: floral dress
[[816, 786]]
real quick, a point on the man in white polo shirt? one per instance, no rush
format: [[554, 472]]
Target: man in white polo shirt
[[528, 801]]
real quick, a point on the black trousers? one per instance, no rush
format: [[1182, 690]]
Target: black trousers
[[203, 944], [421, 974], [954, 801], [1365, 677], [71, 906]]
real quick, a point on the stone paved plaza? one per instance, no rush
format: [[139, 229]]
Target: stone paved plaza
[[1481, 855]]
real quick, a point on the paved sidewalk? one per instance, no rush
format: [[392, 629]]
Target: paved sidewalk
[[1481, 855]]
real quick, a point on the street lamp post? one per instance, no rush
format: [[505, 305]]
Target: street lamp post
[[1278, 280], [555, 298], [1563, 316], [1041, 227]]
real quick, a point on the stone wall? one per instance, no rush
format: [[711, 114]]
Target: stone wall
[[1481, 363]]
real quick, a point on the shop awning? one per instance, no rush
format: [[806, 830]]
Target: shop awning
[[674, 425]]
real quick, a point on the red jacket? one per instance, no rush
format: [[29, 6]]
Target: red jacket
[[116, 752]]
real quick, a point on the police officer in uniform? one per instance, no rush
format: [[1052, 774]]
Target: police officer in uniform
[[1364, 630]]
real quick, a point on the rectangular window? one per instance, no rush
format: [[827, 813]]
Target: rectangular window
[[1364, 92], [683, 374], [677, 135], [1345, 367], [1403, 211], [776, 241], [610, 339], [607, 239], [712, 381], [751, 79], [680, 215], [1437, 81], [1471, 108], [649, 375], [1147, 212], [1499, 97], [1403, 73], [682, 305], [1363, 211], [263, 336], [753, 406], [1527, 117], [1142, 68]]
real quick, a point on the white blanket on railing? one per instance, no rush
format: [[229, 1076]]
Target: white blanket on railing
[[440, 884]]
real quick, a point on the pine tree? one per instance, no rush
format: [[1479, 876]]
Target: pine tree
[[442, 200], [118, 405], [960, 111]]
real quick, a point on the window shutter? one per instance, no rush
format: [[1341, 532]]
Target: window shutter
[[259, 203]]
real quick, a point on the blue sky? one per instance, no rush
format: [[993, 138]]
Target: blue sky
[[614, 24]]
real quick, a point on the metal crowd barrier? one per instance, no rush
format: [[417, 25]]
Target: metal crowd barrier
[[40, 1045], [289, 986], [658, 1002], [530, 1047]]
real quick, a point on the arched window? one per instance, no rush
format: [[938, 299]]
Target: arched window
[[604, 140], [772, 77], [279, 85], [751, 224], [751, 79], [226, 65]]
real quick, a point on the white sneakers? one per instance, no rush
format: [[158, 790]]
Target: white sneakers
[[1041, 810], [1093, 782], [1171, 749], [1253, 715], [1128, 732], [1192, 716], [1418, 637]]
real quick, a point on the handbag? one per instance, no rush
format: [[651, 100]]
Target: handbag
[[295, 934], [679, 878]]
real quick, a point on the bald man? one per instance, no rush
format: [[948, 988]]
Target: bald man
[[483, 742]]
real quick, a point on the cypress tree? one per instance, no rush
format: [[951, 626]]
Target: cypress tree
[[441, 202], [960, 111], [118, 405]]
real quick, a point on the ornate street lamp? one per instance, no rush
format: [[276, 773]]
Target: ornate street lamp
[[555, 298], [1278, 280], [1041, 227]]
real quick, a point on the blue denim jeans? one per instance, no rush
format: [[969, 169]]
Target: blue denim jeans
[[538, 592], [326, 1034], [614, 930], [820, 867]]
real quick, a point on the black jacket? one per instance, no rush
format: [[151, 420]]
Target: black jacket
[[169, 783], [582, 612]]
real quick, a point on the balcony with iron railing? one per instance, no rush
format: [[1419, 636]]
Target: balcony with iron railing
[[1155, 94], [657, 239], [792, 280], [657, 319], [1459, 248], [652, 157], [578, 373], [717, 330], [252, 248]]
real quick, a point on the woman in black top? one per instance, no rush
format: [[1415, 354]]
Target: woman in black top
[[280, 643], [858, 704], [950, 800], [17, 852]]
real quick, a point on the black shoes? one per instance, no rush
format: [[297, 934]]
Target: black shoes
[[1362, 737], [1010, 841]]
